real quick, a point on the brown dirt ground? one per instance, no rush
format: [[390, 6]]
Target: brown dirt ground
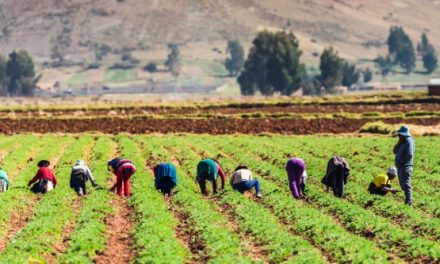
[[383, 107], [199, 126], [119, 227], [118, 248]]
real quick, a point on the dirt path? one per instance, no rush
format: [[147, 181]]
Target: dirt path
[[17, 222], [119, 227]]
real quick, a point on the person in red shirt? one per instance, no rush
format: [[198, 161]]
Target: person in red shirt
[[123, 169], [45, 180]]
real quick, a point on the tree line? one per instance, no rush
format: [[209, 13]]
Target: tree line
[[273, 64], [17, 74], [401, 53]]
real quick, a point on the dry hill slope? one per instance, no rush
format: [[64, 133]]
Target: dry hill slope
[[357, 28]]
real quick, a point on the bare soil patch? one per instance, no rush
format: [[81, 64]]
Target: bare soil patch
[[200, 126], [119, 226], [17, 222]]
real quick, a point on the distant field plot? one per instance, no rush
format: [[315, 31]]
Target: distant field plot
[[226, 228], [118, 75], [78, 79]]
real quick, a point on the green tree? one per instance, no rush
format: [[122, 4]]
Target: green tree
[[401, 49], [406, 57], [3, 76], [173, 60], [21, 74], [235, 61], [422, 47], [273, 65], [430, 60], [331, 66], [385, 65], [368, 75], [350, 75]]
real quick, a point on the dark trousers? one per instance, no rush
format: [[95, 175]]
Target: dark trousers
[[373, 189], [337, 181], [165, 185], [78, 183], [40, 187], [202, 183], [247, 185], [404, 174]]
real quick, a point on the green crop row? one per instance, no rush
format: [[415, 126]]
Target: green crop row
[[259, 223], [89, 238], [47, 223], [155, 241], [361, 176], [222, 244], [360, 221], [407, 217], [308, 221], [18, 198]]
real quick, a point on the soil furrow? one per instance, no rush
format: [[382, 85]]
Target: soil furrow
[[185, 233], [119, 227]]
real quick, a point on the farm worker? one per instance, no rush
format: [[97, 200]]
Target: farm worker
[[209, 169], [79, 175], [404, 151], [4, 182], [381, 184], [296, 175], [165, 178], [336, 176], [242, 181], [44, 180], [123, 169]]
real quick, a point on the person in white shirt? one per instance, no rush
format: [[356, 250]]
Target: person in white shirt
[[242, 181], [79, 176]]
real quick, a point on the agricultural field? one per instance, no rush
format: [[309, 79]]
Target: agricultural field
[[305, 115], [60, 227]]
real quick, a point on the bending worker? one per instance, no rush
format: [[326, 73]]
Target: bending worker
[[381, 184], [79, 176], [336, 176], [296, 175], [208, 170], [4, 182], [165, 177], [123, 169], [242, 181], [44, 180]]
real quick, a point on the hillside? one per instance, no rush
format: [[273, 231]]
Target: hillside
[[357, 28]]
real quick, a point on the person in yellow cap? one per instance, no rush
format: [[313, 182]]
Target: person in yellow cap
[[381, 184]]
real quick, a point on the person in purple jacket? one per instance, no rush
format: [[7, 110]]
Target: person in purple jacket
[[296, 171]]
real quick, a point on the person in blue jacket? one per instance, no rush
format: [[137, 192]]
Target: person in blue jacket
[[404, 159], [165, 177], [4, 182]]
